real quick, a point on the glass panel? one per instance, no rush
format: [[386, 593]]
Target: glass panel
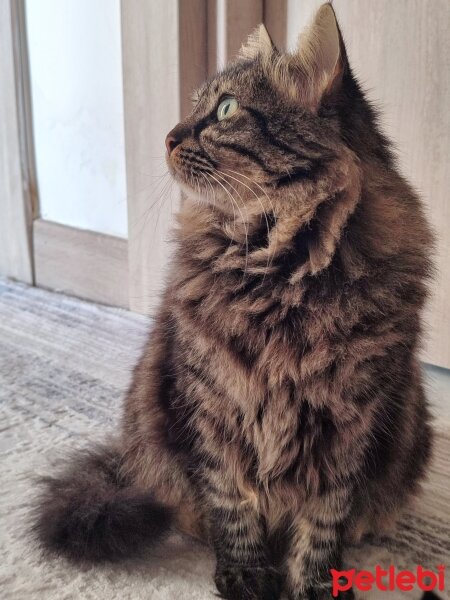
[[76, 85]]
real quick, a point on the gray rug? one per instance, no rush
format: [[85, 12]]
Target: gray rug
[[64, 366]]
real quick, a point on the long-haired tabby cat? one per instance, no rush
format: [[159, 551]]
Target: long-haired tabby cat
[[277, 410]]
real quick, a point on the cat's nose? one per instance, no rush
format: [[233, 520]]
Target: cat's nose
[[171, 143]]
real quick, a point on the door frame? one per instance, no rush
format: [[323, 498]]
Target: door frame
[[17, 178]]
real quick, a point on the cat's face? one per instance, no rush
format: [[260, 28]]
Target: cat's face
[[255, 126]]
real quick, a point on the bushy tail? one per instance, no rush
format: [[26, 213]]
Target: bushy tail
[[89, 513]]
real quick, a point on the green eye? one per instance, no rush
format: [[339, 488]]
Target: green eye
[[227, 108]]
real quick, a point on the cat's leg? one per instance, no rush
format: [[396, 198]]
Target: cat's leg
[[316, 546], [237, 534]]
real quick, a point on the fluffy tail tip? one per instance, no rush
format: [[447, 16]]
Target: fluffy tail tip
[[89, 515]]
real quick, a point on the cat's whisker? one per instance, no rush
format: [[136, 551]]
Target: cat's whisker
[[157, 202], [234, 218], [237, 192], [271, 205], [269, 199], [167, 191], [151, 187], [212, 198], [242, 217], [263, 209]]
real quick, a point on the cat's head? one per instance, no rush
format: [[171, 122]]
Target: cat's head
[[270, 120]]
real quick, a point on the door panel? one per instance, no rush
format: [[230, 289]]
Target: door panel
[[164, 57]]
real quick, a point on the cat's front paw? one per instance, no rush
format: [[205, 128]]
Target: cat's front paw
[[320, 593], [242, 582]]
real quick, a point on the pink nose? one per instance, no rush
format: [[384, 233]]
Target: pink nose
[[171, 143]]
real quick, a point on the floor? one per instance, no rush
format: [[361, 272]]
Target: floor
[[64, 367]]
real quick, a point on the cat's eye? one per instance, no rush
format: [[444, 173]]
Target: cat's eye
[[227, 108]]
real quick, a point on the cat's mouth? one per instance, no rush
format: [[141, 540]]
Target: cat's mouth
[[189, 166], [226, 186], [197, 175]]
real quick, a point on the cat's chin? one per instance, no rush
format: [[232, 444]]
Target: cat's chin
[[195, 195], [205, 198]]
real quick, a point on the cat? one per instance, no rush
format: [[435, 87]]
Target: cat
[[277, 412]]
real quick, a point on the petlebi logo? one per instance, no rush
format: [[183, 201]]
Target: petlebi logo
[[388, 580]]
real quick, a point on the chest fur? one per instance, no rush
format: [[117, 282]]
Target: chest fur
[[260, 362]]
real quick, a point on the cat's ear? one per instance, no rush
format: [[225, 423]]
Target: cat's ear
[[258, 43], [320, 55]]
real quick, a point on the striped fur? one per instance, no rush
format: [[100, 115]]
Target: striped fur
[[278, 409]]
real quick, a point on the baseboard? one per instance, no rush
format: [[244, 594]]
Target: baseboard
[[81, 263]]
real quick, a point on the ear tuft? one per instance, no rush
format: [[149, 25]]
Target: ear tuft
[[258, 43], [318, 54]]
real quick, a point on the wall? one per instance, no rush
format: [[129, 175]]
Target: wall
[[76, 85]]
